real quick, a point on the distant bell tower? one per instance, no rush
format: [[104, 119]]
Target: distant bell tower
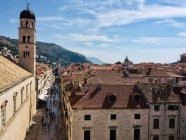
[[27, 40]]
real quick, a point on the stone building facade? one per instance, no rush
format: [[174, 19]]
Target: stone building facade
[[27, 41], [115, 110], [17, 100], [17, 83], [164, 111], [101, 125]]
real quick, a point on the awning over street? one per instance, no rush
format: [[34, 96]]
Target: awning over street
[[43, 97], [44, 93]]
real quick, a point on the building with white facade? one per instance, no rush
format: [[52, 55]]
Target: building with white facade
[[17, 83]]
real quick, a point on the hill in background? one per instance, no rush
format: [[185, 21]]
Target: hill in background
[[95, 60], [46, 52]]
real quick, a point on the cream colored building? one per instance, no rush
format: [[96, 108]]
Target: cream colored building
[[17, 83], [144, 111], [17, 100], [106, 112], [101, 126], [164, 111]]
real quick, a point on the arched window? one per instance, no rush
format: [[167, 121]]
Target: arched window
[[28, 37], [14, 101], [31, 87], [26, 54], [26, 23], [21, 23], [26, 90], [22, 95], [3, 113], [24, 39]]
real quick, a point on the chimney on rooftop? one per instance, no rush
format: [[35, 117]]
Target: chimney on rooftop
[[149, 71]]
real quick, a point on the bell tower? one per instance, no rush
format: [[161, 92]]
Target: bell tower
[[27, 40]]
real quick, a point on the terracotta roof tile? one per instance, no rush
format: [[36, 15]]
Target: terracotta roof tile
[[158, 92], [97, 97], [154, 72]]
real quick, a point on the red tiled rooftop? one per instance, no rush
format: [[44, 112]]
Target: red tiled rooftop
[[97, 98], [41, 68]]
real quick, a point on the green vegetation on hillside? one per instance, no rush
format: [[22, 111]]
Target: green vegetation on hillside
[[46, 52]]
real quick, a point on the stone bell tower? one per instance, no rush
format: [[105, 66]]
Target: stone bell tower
[[27, 40]]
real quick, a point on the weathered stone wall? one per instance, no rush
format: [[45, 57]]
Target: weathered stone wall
[[183, 123], [164, 115], [28, 62], [18, 122], [100, 123]]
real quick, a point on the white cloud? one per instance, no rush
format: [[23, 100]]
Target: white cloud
[[163, 41], [56, 26], [129, 3], [13, 21], [77, 22], [107, 57], [63, 8], [147, 40], [104, 45], [113, 12], [90, 38], [101, 5], [171, 22], [49, 18], [174, 2], [122, 16], [59, 37], [182, 34], [90, 44], [141, 4], [100, 45]]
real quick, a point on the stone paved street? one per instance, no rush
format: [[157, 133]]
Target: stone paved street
[[47, 122]]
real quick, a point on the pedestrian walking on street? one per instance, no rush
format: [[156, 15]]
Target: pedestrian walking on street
[[48, 125], [43, 124], [42, 119], [56, 127]]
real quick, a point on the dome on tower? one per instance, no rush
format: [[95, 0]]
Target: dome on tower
[[28, 14]]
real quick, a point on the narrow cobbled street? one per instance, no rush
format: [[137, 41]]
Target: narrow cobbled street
[[47, 121]]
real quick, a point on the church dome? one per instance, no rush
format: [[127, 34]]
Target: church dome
[[27, 14], [126, 59]]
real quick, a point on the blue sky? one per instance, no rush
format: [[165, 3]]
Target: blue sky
[[143, 30]]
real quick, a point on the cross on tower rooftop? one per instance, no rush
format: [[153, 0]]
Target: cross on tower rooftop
[[27, 6]]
